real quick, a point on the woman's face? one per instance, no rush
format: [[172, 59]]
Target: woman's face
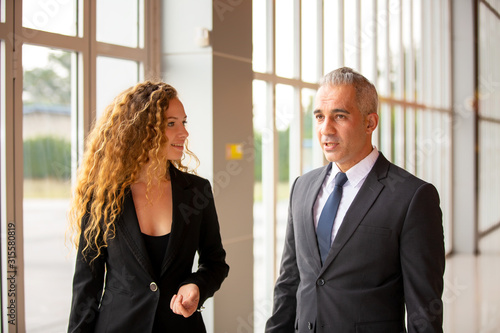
[[175, 132]]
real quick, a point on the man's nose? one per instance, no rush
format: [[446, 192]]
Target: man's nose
[[328, 127]]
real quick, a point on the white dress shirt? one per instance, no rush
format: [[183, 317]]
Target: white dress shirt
[[355, 178]]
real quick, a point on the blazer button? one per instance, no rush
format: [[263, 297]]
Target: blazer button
[[310, 326], [321, 282], [153, 286]]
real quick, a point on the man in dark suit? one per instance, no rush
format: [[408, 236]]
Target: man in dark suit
[[380, 252]]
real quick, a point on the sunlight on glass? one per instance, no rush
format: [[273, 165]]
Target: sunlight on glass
[[284, 39], [118, 22], [284, 116], [47, 115], [368, 40], [52, 16], [351, 42], [332, 42], [2, 11], [261, 246], [310, 59], [113, 76], [284, 106], [259, 36], [308, 135]]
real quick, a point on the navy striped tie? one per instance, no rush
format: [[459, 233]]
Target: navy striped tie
[[325, 223]]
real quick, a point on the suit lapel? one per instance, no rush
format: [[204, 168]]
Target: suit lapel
[[129, 228], [365, 198], [182, 196], [310, 230]]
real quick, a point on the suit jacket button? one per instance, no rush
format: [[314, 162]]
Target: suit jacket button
[[321, 282], [310, 326], [153, 286]]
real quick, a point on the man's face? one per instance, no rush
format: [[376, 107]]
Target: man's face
[[343, 133]]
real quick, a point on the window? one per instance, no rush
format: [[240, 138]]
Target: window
[[294, 43], [488, 126], [75, 57]]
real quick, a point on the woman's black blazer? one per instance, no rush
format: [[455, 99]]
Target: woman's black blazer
[[119, 292]]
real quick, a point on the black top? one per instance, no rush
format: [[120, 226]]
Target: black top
[[157, 247]]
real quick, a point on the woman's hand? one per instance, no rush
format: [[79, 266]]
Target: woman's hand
[[185, 302]]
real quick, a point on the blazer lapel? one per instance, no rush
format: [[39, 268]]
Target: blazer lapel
[[365, 198], [129, 228], [310, 230], [182, 197]]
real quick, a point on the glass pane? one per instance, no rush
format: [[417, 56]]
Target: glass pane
[[47, 133], [114, 76], [262, 226], [308, 135], [284, 115], [383, 69], [59, 17], [2, 11], [351, 44], [368, 40], [285, 55], [309, 42], [259, 35], [333, 43], [118, 22]]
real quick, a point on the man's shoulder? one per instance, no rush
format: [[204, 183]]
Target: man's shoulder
[[397, 176], [313, 174]]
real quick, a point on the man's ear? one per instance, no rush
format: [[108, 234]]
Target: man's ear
[[371, 122]]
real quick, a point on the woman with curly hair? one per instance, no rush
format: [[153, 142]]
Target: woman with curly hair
[[138, 216]]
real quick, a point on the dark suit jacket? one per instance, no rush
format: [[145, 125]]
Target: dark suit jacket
[[388, 253], [129, 301]]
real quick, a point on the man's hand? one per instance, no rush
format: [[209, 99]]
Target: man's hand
[[186, 300]]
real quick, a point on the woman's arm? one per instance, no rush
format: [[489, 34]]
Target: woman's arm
[[212, 267]]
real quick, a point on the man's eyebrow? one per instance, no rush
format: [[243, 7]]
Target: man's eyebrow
[[332, 111]]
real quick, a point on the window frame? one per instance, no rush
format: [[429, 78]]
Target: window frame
[[13, 36]]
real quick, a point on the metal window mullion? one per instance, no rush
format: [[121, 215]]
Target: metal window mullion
[[14, 161], [320, 42], [410, 95], [295, 134], [386, 114], [118, 51], [373, 75], [270, 161], [399, 117], [51, 40], [317, 153], [297, 44], [270, 37], [340, 31], [358, 35]]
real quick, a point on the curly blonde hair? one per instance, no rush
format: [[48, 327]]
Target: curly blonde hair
[[128, 136]]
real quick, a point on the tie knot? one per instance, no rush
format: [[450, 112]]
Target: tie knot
[[340, 179]]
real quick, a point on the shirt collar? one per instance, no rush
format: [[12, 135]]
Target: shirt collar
[[359, 171]]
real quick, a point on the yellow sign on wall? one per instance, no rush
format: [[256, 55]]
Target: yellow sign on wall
[[234, 151]]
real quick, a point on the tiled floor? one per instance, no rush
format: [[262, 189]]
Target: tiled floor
[[471, 295]]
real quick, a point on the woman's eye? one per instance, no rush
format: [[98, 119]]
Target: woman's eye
[[184, 123], [170, 124]]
